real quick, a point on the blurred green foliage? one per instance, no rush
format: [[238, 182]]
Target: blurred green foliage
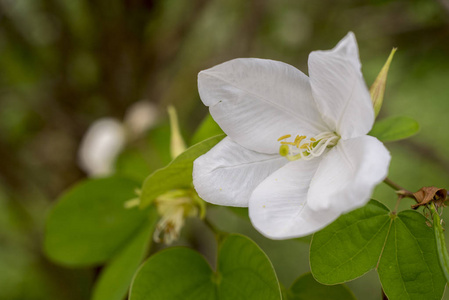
[[64, 64]]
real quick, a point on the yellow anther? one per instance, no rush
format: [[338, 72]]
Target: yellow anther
[[284, 137], [298, 140], [283, 150], [306, 148]]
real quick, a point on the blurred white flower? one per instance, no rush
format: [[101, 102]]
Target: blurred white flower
[[140, 117], [100, 146], [106, 138], [297, 152]]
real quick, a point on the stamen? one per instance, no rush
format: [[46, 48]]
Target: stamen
[[314, 148], [298, 140], [284, 137]]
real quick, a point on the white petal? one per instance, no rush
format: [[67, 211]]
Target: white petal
[[339, 89], [228, 173], [256, 101], [278, 206], [348, 174]]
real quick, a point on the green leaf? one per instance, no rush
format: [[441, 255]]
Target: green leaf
[[174, 273], [178, 174], [307, 288], [403, 245], [409, 266], [440, 242], [89, 223], [244, 273], [350, 246], [395, 128], [116, 277], [208, 128]]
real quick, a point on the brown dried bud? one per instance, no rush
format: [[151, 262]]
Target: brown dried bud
[[430, 193]]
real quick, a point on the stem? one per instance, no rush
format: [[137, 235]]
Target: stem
[[219, 235], [393, 185], [440, 243], [397, 203], [399, 189], [211, 226]]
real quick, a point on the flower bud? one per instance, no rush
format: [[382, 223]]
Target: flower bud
[[177, 144], [173, 208], [377, 90]]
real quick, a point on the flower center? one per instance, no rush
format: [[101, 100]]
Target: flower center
[[303, 148]]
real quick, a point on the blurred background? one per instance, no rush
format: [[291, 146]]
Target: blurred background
[[66, 64]]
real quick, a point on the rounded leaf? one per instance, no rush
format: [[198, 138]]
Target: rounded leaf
[[115, 279], [175, 273], [244, 273], [89, 223], [395, 128], [409, 267], [350, 247]]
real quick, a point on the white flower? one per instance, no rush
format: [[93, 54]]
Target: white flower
[[140, 117], [100, 146], [297, 152], [106, 138]]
